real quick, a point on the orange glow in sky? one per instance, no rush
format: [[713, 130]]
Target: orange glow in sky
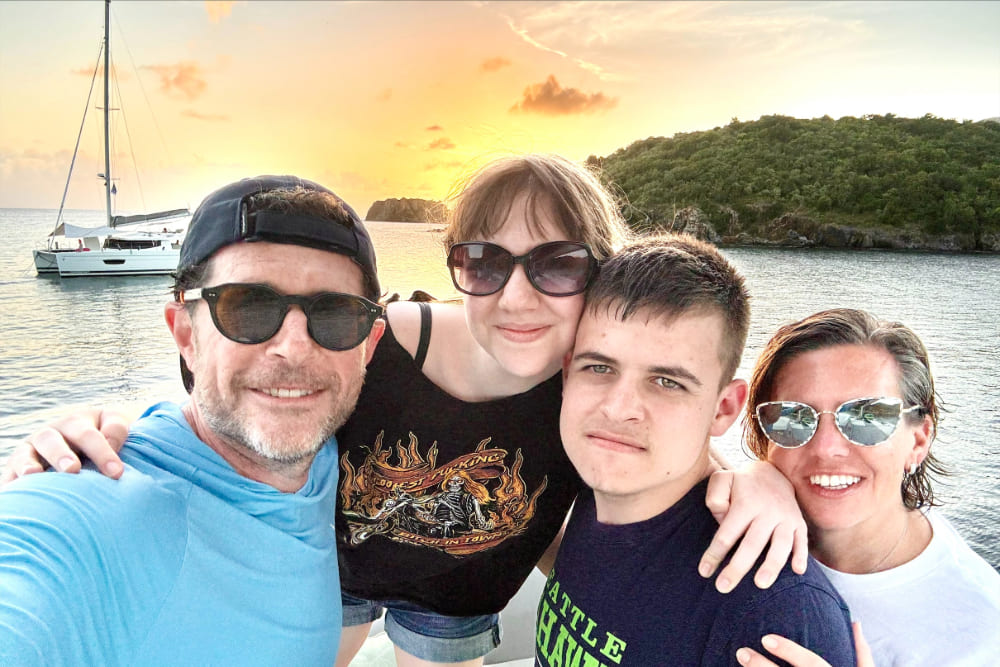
[[399, 99]]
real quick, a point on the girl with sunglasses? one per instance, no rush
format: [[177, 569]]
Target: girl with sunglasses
[[454, 483], [844, 405]]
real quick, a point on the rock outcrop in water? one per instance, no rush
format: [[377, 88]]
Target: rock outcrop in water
[[404, 210]]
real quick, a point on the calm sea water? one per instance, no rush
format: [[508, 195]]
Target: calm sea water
[[82, 341]]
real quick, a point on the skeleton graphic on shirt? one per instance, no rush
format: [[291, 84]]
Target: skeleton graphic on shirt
[[469, 504]]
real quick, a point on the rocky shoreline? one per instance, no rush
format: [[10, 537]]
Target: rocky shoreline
[[787, 231], [796, 231]]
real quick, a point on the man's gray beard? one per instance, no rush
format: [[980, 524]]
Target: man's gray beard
[[226, 425]]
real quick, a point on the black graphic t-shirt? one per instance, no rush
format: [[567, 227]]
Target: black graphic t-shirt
[[445, 503]]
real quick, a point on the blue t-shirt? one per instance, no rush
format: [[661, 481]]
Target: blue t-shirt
[[631, 595], [181, 561]]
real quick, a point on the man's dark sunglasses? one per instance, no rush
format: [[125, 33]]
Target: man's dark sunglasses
[[251, 314], [559, 268]]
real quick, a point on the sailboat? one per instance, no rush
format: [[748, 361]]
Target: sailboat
[[147, 244]]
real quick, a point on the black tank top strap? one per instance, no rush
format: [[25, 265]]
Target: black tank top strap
[[425, 334]]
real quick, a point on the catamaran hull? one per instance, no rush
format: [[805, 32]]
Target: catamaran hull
[[45, 261], [152, 262]]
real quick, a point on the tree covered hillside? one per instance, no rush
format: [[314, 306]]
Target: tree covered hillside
[[927, 176]]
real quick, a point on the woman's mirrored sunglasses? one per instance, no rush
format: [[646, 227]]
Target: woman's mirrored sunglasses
[[863, 421], [559, 268], [251, 314]]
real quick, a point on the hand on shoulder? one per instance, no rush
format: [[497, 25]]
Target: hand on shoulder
[[756, 508], [796, 655], [94, 433]]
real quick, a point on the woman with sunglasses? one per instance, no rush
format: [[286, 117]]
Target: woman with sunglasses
[[453, 480], [454, 483], [844, 405]]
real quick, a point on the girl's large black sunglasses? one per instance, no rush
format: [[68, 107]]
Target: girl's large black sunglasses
[[559, 268]]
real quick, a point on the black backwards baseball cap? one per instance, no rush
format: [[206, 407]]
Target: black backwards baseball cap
[[222, 219]]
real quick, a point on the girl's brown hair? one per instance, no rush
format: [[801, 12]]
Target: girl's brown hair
[[581, 207]]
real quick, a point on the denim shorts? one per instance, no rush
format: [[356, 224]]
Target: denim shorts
[[425, 634]]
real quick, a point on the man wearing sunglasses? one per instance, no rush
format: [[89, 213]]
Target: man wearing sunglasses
[[648, 383], [217, 544]]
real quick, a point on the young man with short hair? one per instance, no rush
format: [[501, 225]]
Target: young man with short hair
[[649, 381]]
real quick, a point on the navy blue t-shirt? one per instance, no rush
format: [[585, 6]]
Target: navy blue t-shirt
[[631, 595]]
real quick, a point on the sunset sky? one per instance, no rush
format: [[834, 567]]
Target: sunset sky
[[398, 99]]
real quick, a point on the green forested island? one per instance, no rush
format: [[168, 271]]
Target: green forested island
[[875, 181]]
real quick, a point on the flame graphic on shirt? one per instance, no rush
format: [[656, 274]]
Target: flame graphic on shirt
[[471, 503]]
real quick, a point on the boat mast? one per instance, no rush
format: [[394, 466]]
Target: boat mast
[[107, 102]]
